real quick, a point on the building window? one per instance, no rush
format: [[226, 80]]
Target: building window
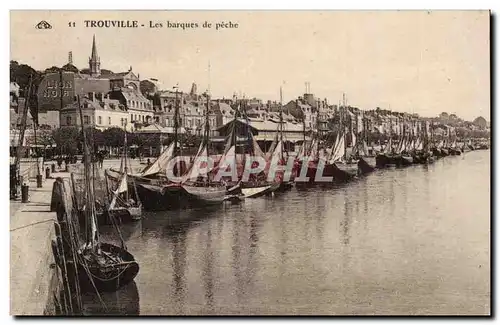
[[68, 120], [109, 120], [131, 117], [125, 122], [99, 120], [86, 119], [167, 122]]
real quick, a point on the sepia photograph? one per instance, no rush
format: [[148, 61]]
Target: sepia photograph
[[250, 163]]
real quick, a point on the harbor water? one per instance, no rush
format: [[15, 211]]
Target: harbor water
[[409, 241]]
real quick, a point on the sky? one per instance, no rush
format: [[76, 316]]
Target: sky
[[424, 62]]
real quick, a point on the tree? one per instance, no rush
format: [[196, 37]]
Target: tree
[[69, 67], [94, 136], [113, 137], [104, 72], [66, 139], [52, 69], [20, 73], [147, 87]]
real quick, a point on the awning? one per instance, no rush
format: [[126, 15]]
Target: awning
[[290, 137]]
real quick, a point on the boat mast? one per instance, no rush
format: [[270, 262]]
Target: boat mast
[[125, 152], [233, 133], [19, 151], [390, 134], [90, 210], [303, 127], [176, 119], [356, 143], [281, 122], [345, 128], [317, 130], [207, 127]]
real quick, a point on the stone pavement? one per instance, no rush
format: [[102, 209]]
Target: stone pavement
[[31, 232]]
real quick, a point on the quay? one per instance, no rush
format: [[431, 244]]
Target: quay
[[33, 278], [31, 259]]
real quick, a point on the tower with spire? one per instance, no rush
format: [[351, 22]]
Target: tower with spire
[[94, 61]]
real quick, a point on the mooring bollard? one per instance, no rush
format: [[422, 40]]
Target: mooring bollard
[[24, 193], [39, 182], [47, 173], [53, 168]]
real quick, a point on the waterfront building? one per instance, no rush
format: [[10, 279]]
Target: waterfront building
[[98, 110]]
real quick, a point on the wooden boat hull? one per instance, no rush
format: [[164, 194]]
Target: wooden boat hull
[[444, 152], [406, 160], [127, 213], [384, 160], [420, 158], [310, 174], [109, 278], [205, 194], [162, 198], [367, 165], [284, 186], [340, 174], [234, 198], [154, 194], [344, 172], [252, 192], [437, 153]]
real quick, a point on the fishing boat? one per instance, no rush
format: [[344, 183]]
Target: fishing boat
[[197, 182], [248, 186], [341, 167], [101, 266], [366, 161], [124, 205], [156, 191], [387, 157], [283, 184]]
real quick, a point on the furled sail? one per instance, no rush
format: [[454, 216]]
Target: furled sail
[[199, 163], [160, 163], [314, 150], [340, 150], [256, 148], [273, 146], [388, 147], [334, 147], [420, 144]]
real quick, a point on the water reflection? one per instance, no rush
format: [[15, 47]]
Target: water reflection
[[178, 240], [400, 241], [125, 301], [208, 269]]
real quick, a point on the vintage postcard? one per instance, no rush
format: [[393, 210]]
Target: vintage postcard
[[250, 163]]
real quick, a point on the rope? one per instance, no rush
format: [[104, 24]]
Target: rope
[[113, 278], [89, 274], [32, 224]]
